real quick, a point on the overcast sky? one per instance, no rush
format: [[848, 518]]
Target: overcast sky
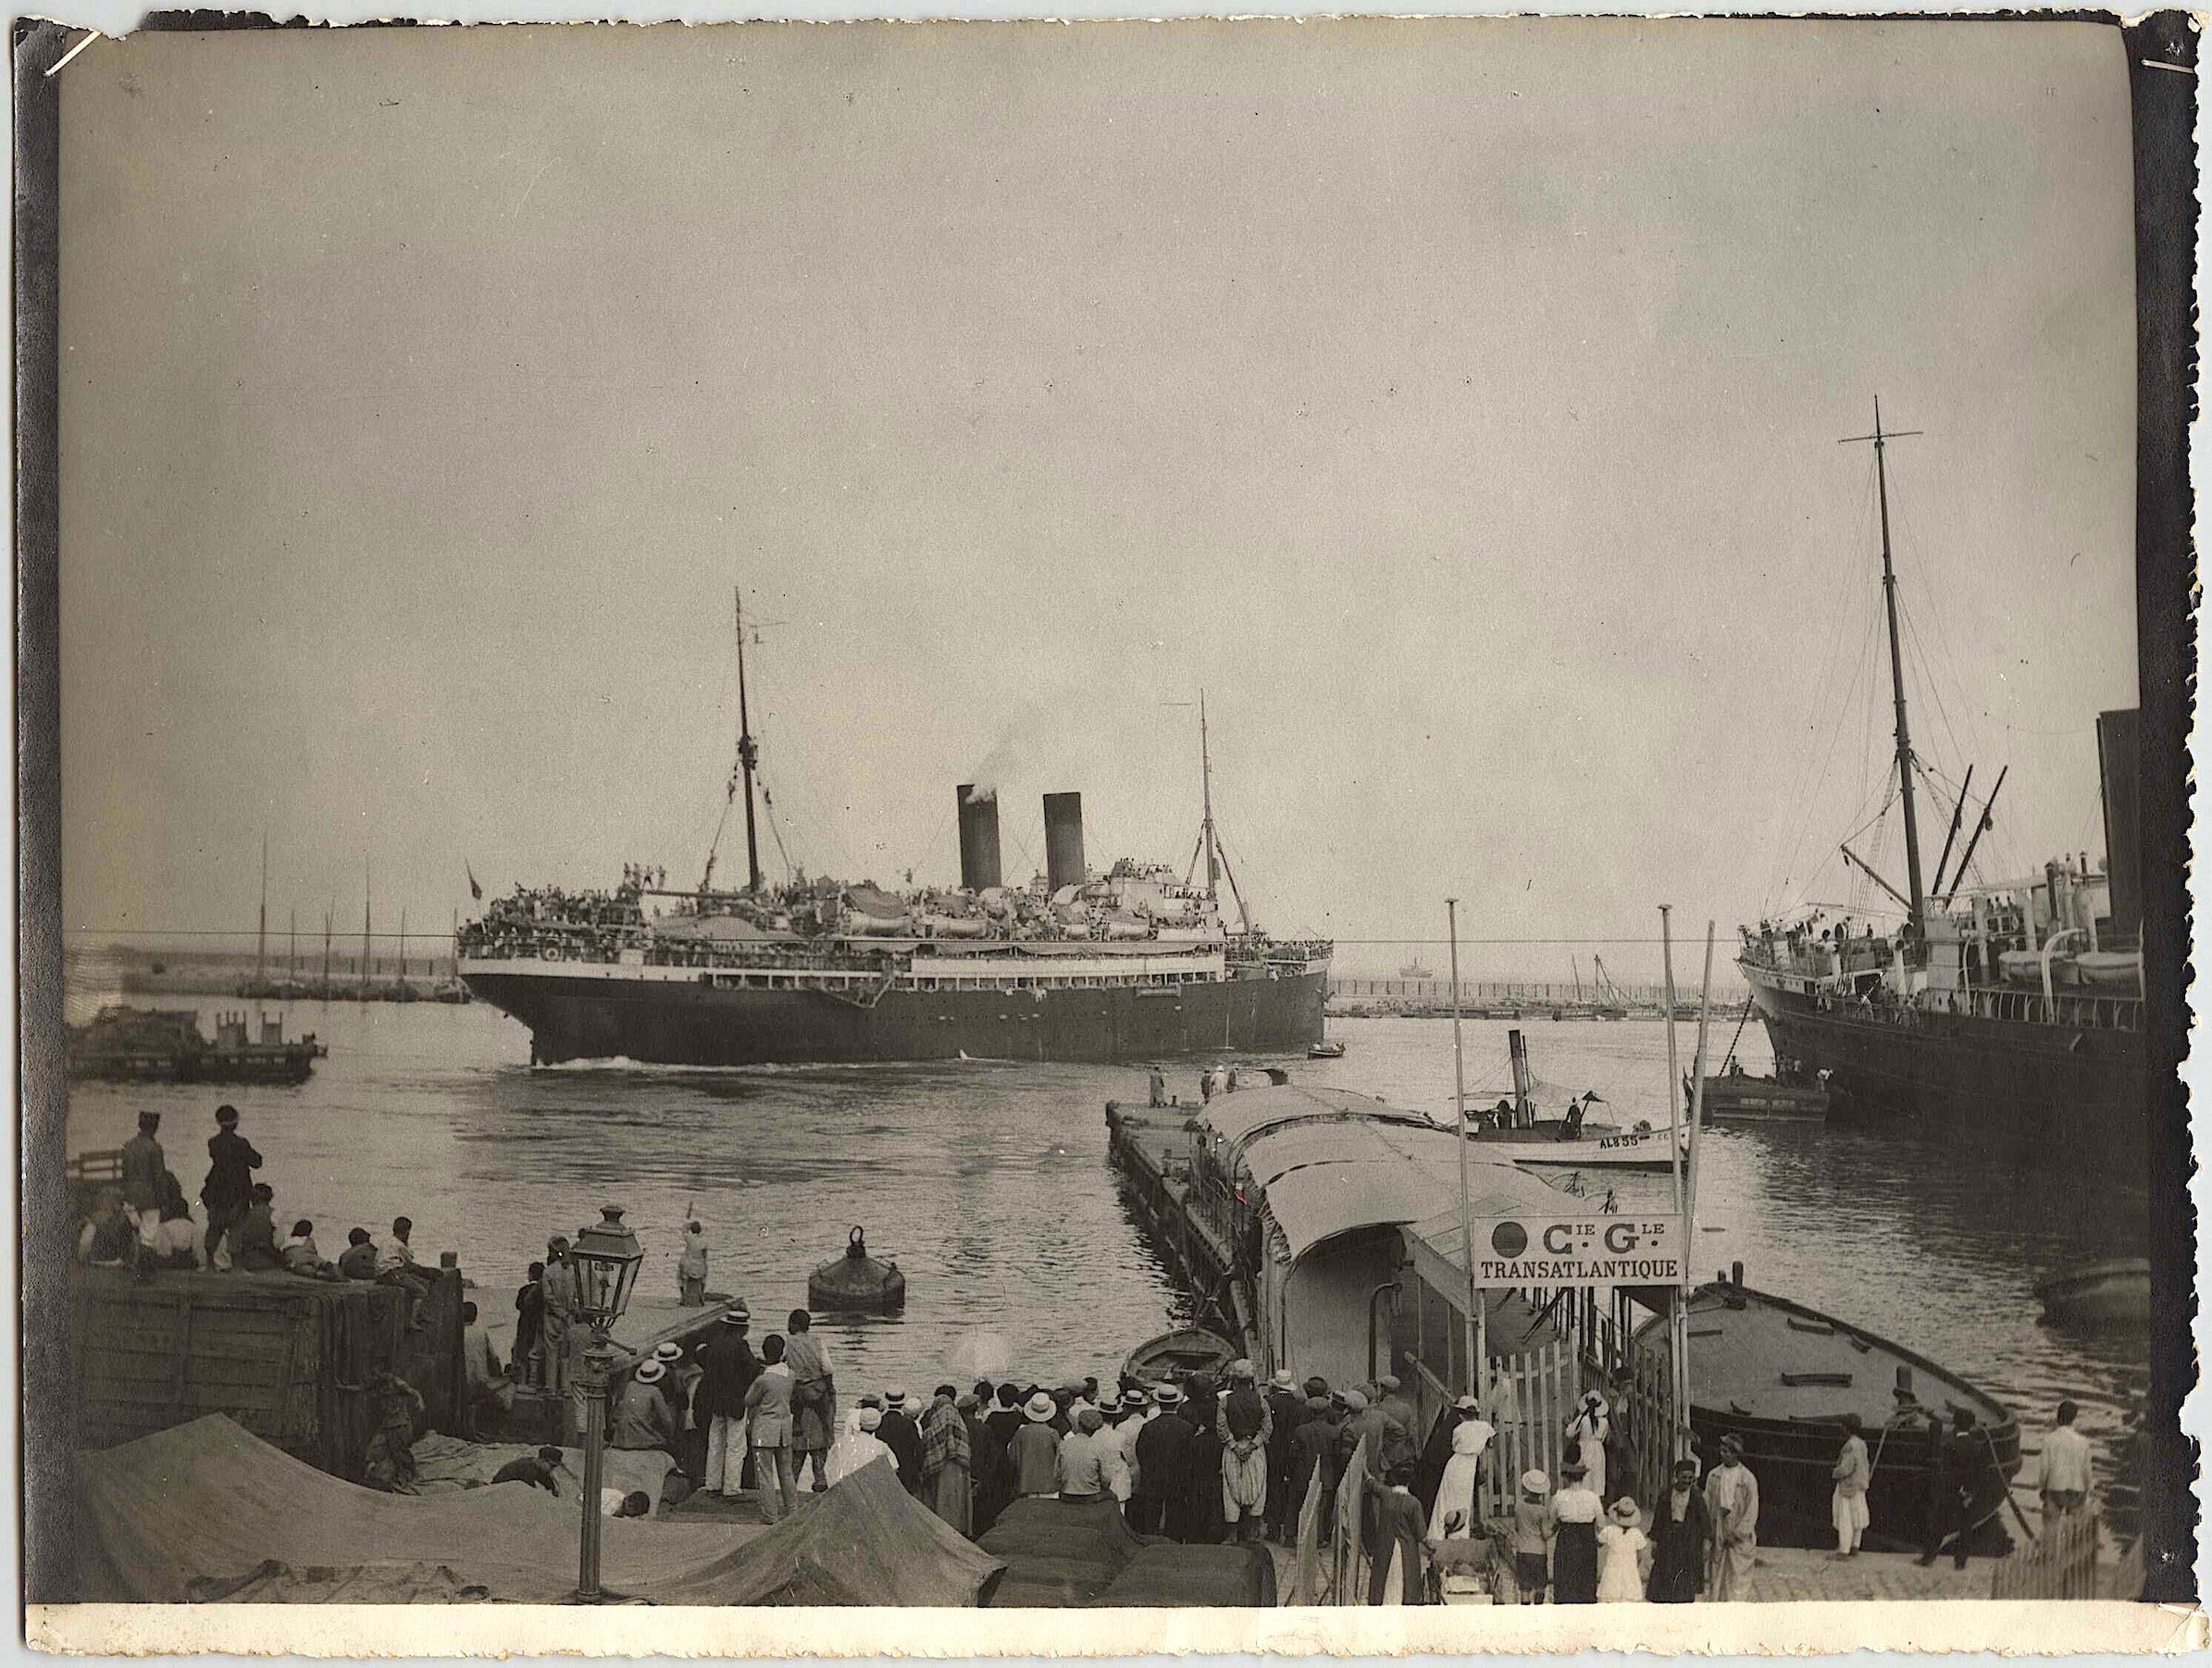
[[1456, 402]]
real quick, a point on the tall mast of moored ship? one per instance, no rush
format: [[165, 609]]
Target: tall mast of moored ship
[[365, 893], [261, 937], [1896, 665], [749, 754]]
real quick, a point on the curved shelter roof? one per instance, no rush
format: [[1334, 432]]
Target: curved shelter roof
[[1328, 1163]]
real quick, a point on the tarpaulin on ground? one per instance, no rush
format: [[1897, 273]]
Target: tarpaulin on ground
[[205, 1509], [1167, 1576], [448, 1466], [866, 1541], [1058, 1553], [208, 1500]]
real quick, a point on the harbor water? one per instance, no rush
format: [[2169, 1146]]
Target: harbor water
[[988, 1183]]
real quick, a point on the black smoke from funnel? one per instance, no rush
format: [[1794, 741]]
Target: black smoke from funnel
[[978, 836]]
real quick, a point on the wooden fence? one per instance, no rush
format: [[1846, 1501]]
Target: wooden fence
[[2062, 1563], [1535, 1397]]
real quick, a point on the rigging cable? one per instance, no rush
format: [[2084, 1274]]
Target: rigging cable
[[1812, 767]]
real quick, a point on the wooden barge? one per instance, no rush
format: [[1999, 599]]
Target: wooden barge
[[289, 1359]]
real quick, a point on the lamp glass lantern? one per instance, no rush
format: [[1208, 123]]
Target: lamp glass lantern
[[606, 1257]]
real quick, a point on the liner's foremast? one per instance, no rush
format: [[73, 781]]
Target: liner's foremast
[[1217, 863], [749, 754], [1917, 904]]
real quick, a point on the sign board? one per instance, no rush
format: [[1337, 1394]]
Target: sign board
[[1591, 1249]]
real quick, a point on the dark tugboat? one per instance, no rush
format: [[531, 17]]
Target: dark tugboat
[[1735, 1096], [1781, 1377], [166, 1045]]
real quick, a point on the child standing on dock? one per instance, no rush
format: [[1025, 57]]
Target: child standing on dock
[[1532, 1537], [1622, 1544]]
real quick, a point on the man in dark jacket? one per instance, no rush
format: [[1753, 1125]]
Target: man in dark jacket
[[1682, 1534], [995, 1479], [1958, 1464], [255, 1242], [359, 1260], [726, 1369], [1164, 1456], [228, 1190], [1312, 1462], [1287, 1411], [145, 1172], [903, 1437]]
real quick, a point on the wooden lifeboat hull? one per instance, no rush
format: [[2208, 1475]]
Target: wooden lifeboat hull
[[1179, 1354]]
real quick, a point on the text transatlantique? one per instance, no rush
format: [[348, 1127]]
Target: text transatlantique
[[1577, 1271]]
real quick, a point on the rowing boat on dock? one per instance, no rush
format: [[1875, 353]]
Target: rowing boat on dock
[[1780, 1376], [1178, 1356]]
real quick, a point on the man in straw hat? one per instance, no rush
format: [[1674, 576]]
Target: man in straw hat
[[642, 1420], [1163, 1465], [1035, 1450], [901, 1432], [727, 1368]]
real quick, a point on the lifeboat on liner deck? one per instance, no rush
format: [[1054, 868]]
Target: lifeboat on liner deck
[[2111, 970]]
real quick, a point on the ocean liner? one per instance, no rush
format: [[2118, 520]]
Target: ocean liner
[[1132, 963], [2009, 1014]]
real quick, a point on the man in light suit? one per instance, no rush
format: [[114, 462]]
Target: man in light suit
[[768, 1422]]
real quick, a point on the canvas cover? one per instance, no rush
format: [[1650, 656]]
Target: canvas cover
[[189, 1512], [1168, 1577], [866, 1541], [1059, 1554]]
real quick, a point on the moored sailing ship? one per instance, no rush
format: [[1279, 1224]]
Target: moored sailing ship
[[2009, 1013], [1136, 962]]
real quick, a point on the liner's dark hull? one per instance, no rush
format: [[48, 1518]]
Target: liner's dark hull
[[669, 1024], [2039, 1093]]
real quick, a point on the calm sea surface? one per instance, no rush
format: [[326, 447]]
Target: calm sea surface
[[988, 1183]]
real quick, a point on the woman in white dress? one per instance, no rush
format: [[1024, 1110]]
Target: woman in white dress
[[1586, 1434], [1455, 1492], [1621, 1547]]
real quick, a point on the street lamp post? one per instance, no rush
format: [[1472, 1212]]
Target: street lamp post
[[606, 1256]]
